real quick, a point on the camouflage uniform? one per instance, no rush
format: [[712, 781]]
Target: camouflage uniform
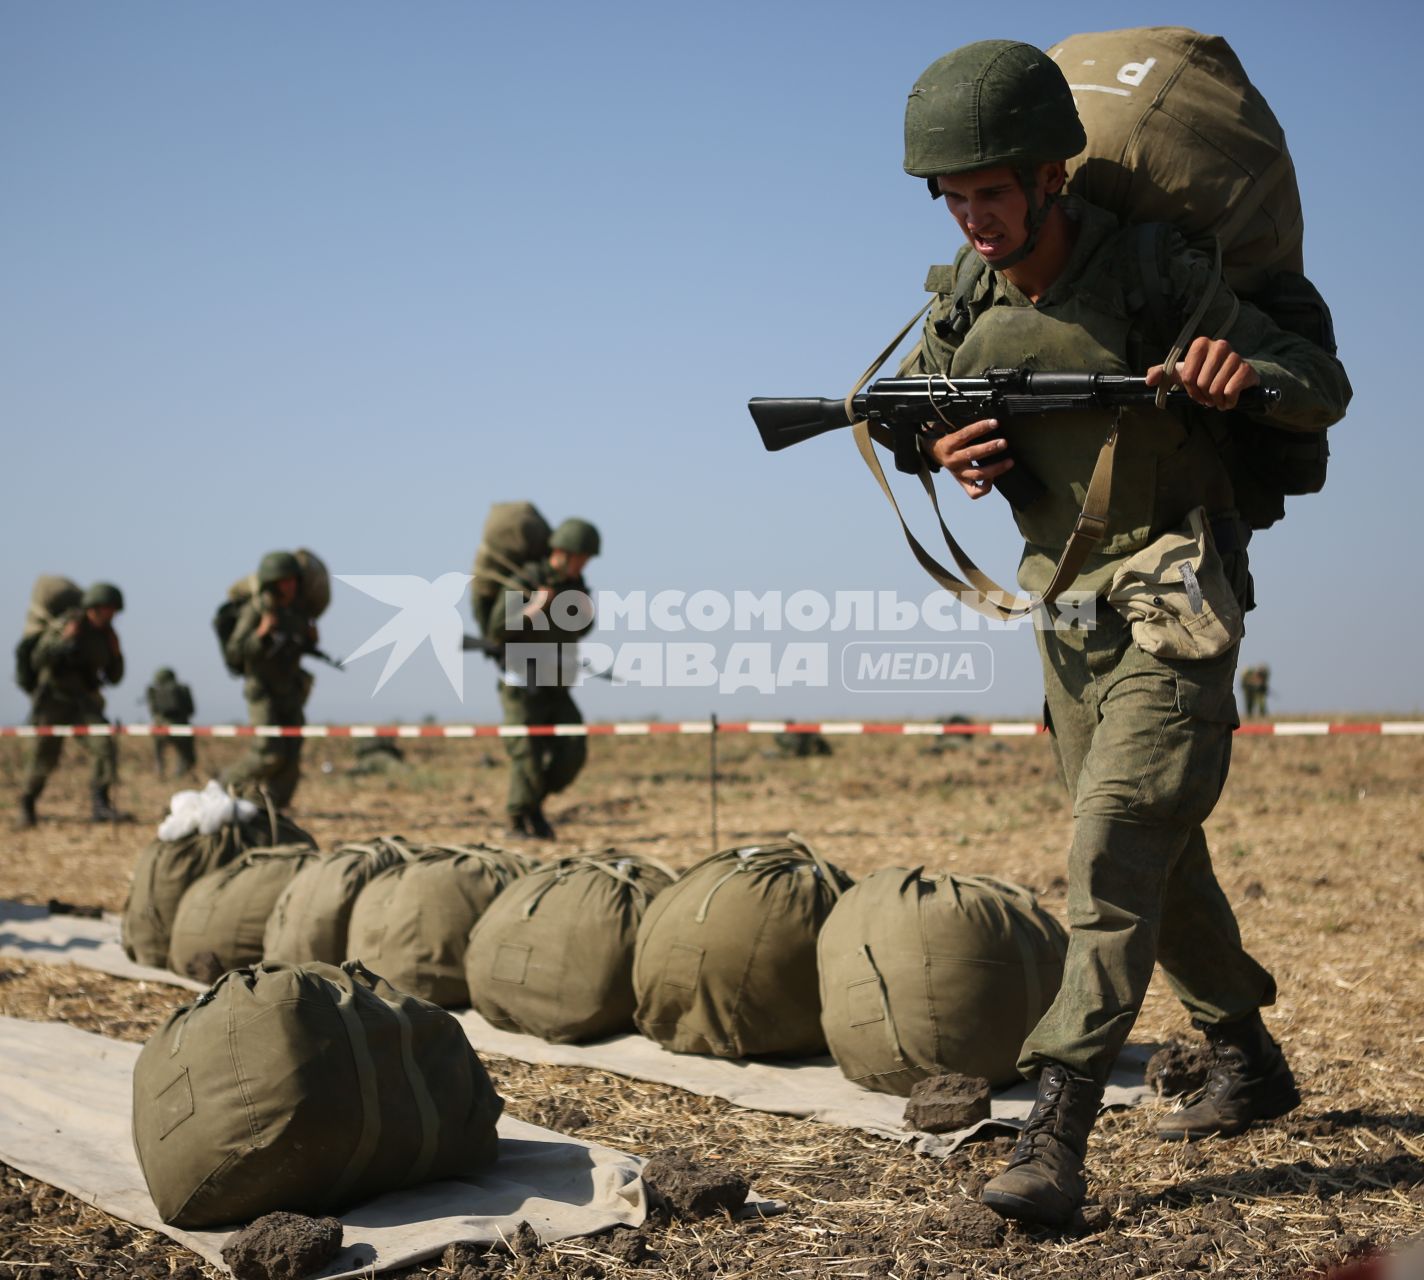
[[72, 671], [1143, 743], [1139, 702], [276, 687], [537, 692], [1255, 683], [170, 702]]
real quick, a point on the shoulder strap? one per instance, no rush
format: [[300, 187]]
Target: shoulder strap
[[977, 590]]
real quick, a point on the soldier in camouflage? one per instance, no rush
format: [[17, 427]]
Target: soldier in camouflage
[[171, 702], [267, 643], [1255, 686], [538, 630], [1143, 741], [77, 655]]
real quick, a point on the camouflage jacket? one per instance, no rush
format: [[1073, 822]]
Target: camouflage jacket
[[75, 669], [271, 664], [1094, 318], [563, 622], [169, 702]]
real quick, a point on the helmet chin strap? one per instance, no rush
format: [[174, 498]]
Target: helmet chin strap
[[1037, 219]]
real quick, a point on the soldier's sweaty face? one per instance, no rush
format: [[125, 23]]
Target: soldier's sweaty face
[[990, 207]]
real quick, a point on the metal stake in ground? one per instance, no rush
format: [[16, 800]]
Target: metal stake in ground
[[712, 777]]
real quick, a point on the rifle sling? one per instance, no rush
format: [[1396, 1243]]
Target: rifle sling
[[980, 592]]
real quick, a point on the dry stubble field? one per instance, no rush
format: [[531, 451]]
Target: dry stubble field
[[1319, 843]]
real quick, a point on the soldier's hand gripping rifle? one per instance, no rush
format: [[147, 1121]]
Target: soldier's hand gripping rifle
[[912, 409]]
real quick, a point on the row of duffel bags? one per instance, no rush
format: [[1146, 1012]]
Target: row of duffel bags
[[772, 951], [765, 950]]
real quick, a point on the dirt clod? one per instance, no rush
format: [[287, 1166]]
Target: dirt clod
[[281, 1245], [1178, 1067], [971, 1224], [628, 1246], [524, 1243], [947, 1102], [687, 1189], [560, 1115], [58, 907]]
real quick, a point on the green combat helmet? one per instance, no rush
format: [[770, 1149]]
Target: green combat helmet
[[102, 595], [575, 536], [991, 103], [165, 675], [277, 565]]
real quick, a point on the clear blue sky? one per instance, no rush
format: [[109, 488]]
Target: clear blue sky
[[342, 274]]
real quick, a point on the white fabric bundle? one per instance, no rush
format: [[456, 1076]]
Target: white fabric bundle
[[203, 811]]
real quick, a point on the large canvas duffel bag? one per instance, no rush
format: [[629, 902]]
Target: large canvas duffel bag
[[307, 1089], [726, 957], [923, 974], [552, 956]]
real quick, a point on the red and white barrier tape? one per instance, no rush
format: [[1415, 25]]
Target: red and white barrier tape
[[999, 729]]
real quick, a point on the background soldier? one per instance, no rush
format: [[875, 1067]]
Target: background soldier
[[267, 642], [1143, 740], [538, 631], [1255, 687], [170, 702], [77, 654]]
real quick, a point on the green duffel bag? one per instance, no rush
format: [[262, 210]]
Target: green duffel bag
[[305, 1088], [221, 919], [923, 974], [310, 919], [553, 954], [166, 868], [726, 957], [410, 924]]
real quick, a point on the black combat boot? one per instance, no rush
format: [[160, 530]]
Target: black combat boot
[[1248, 1080], [27, 818], [529, 824], [103, 810], [1043, 1182]]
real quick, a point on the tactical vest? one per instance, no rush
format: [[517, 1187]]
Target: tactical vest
[[1166, 465], [1264, 464]]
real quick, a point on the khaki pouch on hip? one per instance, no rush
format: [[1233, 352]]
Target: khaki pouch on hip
[[1176, 595]]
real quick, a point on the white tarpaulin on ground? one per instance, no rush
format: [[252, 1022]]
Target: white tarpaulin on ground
[[814, 1089], [65, 1119]]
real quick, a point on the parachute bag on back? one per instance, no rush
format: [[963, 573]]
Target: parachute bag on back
[[552, 956], [221, 919], [412, 922], [924, 974], [50, 597], [1178, 134], [309, 921], [726, 957], [307, 1089], [514, 534], [166, 868]]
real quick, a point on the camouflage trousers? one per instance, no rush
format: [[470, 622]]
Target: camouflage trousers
[[273, 763], [540, 766], [184, 750], [1144, 746], [44, 753]]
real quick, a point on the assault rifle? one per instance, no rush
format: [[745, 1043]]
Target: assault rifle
[[933, 406]]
